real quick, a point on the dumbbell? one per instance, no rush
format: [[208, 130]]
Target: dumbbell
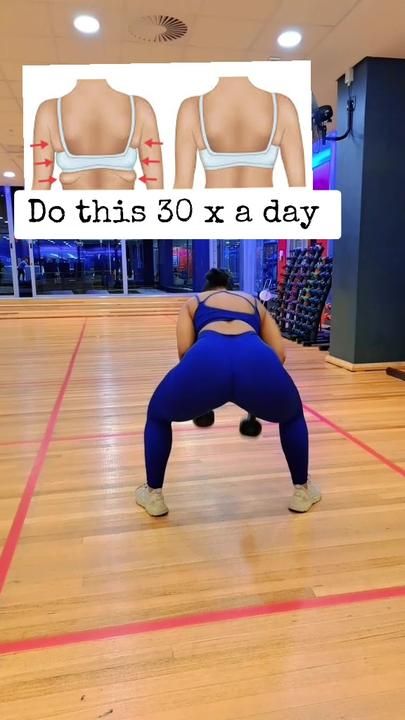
[[204, 421], [250, 426]]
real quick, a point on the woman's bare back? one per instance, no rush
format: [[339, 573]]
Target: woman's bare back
[[227, 300]]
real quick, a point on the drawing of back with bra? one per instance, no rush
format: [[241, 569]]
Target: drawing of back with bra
[[94, 135], [237, 130]]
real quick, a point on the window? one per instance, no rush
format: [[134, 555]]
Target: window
[[182, 263], [229, 258], [266, 264]]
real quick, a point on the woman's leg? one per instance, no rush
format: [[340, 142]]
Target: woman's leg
[[199, 383], [294, 441], [264, 389]]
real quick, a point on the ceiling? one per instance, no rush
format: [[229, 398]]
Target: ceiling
[[336, 35]]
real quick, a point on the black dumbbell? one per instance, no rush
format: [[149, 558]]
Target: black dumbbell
[[250, 426], [204, 421]]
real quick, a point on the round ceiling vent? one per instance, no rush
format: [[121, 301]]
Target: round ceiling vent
[[157, 29]]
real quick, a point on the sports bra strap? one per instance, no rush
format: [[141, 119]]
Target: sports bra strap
[[227, 292], [132, 129], [275, 118], [202, 122], [60, 126], [217, 292]]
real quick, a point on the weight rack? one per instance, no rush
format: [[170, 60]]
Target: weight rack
[[302, 295]]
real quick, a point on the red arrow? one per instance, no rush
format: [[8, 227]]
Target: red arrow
[[49, 180], [151, 143], [42, 144], [145, 179], [148, 161], [46, 162]]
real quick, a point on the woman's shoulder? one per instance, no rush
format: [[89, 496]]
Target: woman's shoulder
[[247, 296], [192, 303]]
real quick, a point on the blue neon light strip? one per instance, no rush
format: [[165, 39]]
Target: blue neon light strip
[[321, 158]]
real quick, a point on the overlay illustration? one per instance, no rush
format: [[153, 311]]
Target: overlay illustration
[[94, 136], [168, 126], [238, 131]]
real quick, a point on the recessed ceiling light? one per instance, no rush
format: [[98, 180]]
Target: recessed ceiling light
[[86, 24], [9, 174], [289, 39]]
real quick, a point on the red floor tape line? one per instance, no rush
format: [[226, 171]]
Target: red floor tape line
[[13, 537], [180, 428], [137, 433], [207, 618], [393, 466]]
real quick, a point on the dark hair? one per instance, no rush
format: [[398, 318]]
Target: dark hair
[[217, 278]]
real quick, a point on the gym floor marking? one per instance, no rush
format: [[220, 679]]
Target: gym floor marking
[[158, 625], [7, 555], [139, 433], [208, 618], [382, 459]]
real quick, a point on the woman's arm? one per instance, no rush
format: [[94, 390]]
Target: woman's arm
[[44, 157], [292, 151], [150, 131], [271, 334], [186, 146], [185, 330]]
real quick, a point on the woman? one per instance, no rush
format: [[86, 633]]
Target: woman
[[238, 130], [230, 350], [95, 135]]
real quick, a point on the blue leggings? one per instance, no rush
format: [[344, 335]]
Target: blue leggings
[[218, 369]]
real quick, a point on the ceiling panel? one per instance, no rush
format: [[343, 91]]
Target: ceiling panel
[[5, 90], [14, 150], [253, 9], [175, 8], [196, 54], [16, 88], [11, 71], [231, 33], [368, 31], [17, 182], [313, 12], [22, 17], [11, 129], [7, 163], [8, 106], [27, 51], [10, 123], [86, 51], [134, 52]]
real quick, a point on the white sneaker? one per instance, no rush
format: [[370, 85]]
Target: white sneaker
[[151, 500], [304, 498]]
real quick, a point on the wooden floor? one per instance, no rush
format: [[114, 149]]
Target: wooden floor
[[230, 608]]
